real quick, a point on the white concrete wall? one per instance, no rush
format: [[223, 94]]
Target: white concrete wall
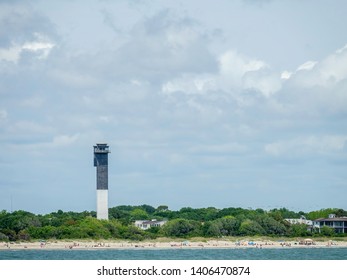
[[102, 204]]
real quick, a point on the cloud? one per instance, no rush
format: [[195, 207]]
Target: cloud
[[73, 79], [326, 73], [41, 47], [316, 88], [224, 149], [307, 65], [63, 140], [236, 73], [3, 115], [173, 101], [162, 47], [233, 67], [263, 81], [20, 22], [307, 145], [11, 54], [285, 75], [190, 84]]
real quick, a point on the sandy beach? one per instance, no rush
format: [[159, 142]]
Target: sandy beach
[[153, 244]]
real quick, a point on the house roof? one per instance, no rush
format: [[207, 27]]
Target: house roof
[[147, 222], [340, 219]]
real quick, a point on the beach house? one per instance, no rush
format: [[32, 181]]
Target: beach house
[[339, 224], [301, 220], [146, 224]]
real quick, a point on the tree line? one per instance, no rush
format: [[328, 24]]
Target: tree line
[[184, 223]]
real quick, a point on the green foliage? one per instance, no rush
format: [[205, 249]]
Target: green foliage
[[185, 223], [327, 231], [9, 233], [284, 213], [299, 230], [45, 232], [249, 227], [121, 215], [272, 226], [139, 214], [182, 228], [3, 237], [323, 213], [162, 208], [212, 229], [18, 220]]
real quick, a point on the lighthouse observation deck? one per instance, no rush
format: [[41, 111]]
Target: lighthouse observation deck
[[101, 149]]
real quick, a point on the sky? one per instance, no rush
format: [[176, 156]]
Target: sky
[[203, 103]]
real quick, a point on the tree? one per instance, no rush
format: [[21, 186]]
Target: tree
[[134, 233], [45, 232], [114, 227], [118, 214], [341, 213], [18, 220], [3, 237], [230, 226], [323, 213], [162, 208], [139, 214], [23, 235], [181, 228], [249, 227], [299, 230], [284, 213], [149, 209], [94, 228], [10, 234], [212, 228], [327, 231], [271, 226]]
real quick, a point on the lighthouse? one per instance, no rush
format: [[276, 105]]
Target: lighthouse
[[101, 163]]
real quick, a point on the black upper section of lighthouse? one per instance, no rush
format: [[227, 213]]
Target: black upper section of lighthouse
[[101, 162]]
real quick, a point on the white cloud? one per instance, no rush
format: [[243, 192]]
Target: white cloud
[[29, 128], [74, 79], [219, 149], [176, 94], [307, 145], [162, 47], [190, 84], [286, 75], [41, 46], [64, 140], [181, 37], [264, 81], [326, 73], [11, 54], [233, 67], [237, 72], [343, 49], [307, 65]]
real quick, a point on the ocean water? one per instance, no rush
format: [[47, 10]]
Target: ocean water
[[179, 254]]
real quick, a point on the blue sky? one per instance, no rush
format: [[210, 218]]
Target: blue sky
[[224, 103]]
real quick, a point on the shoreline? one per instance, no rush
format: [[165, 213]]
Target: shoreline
[[150, 245]]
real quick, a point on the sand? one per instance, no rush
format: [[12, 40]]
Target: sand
[[153, 244]]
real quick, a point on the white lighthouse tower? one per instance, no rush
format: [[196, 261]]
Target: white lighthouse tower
[[101, 162]]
